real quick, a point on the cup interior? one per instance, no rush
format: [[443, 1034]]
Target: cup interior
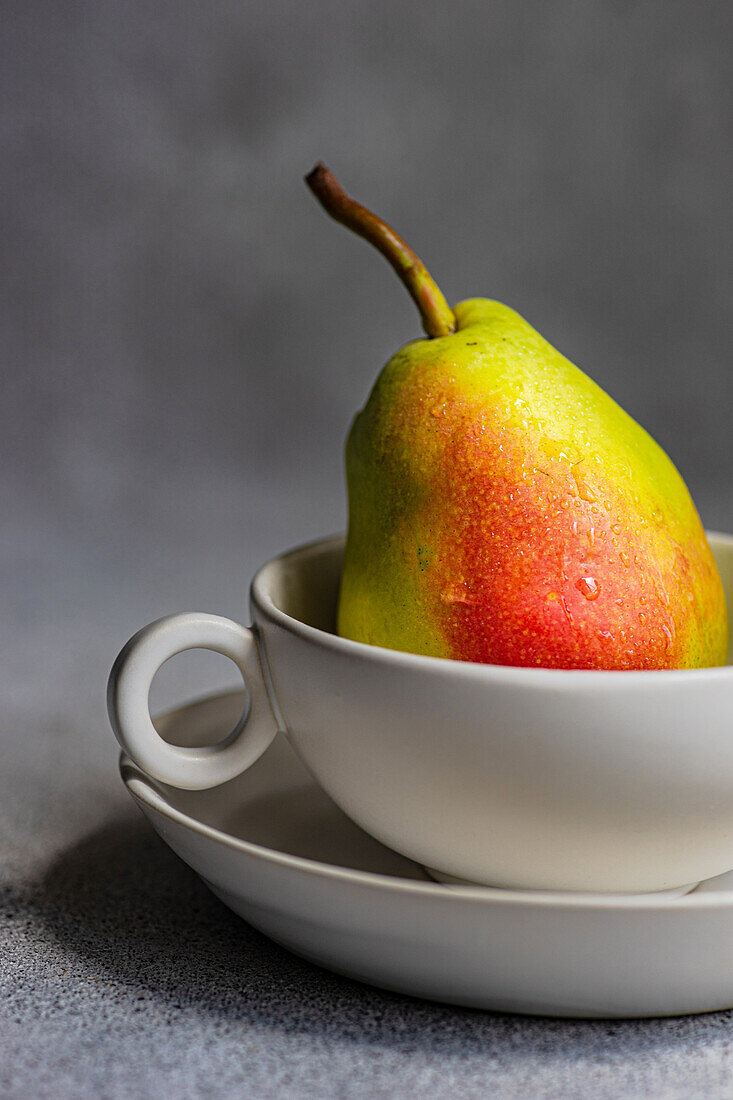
[[304, 583]]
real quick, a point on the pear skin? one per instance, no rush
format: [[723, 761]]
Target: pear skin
[[504, 509]]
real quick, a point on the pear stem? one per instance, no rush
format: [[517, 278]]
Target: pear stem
[[437, 316]]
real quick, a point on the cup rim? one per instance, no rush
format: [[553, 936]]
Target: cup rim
[[514, 674]]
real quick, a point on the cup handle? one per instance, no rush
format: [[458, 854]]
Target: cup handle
[[128, 689]]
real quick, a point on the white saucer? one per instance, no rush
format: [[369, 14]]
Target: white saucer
[[274, 847], [673, 892]]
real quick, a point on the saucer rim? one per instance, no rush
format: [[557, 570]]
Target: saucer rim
[[145, 789]]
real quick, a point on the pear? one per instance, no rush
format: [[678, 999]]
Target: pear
[[504, 509]]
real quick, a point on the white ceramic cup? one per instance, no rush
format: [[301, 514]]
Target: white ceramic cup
[[525, 778]]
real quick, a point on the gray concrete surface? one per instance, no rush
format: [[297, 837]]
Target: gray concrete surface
[[184, 340]]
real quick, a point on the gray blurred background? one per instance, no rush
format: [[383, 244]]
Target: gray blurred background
[[187, 336]]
